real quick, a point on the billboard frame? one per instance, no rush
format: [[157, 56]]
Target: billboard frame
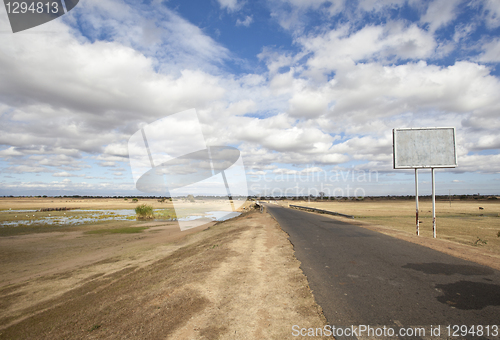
[[429, 166]]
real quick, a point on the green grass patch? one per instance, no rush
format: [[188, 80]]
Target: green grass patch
[[93, 328], [165, 214], [144, 212], [22, 229], [124, 230]]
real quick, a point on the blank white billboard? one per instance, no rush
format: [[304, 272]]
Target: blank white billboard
[[424, 148]]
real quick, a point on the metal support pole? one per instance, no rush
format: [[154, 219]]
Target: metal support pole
[[416, 201], [433, 204]]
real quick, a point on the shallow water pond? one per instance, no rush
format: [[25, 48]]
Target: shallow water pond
[[214, 215], [15, 218]]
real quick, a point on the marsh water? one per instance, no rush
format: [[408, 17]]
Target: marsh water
[[14, 218]]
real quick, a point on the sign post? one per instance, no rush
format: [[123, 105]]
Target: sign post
[[416, 200], [424, 148], [433, 204]]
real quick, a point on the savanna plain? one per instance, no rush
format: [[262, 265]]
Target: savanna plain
[[118, 278]]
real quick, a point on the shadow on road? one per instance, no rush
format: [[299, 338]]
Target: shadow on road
[[469, 295]]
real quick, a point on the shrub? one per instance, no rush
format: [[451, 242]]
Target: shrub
[[144, 212], [135, 200], [480, 242]]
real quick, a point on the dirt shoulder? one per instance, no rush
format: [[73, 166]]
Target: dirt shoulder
[[237, 279]]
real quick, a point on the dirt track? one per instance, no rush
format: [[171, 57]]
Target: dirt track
[[238, 279]]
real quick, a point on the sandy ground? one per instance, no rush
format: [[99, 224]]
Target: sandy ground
[[28, 257], [234, 280]]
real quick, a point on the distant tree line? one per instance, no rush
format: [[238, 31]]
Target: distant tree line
[[256, 197]]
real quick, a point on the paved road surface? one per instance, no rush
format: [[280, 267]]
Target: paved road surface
[[361, 277]]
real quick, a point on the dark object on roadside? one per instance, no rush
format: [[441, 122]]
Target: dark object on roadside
[[481, 208]]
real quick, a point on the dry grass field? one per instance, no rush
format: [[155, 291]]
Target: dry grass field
[[462, 222], [36, 203]]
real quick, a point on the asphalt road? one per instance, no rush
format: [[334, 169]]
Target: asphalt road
[[361, 277]]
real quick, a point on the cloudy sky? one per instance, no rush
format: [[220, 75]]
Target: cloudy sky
[[301, 87]]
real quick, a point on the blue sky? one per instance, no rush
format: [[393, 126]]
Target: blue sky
[[301, 87]]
